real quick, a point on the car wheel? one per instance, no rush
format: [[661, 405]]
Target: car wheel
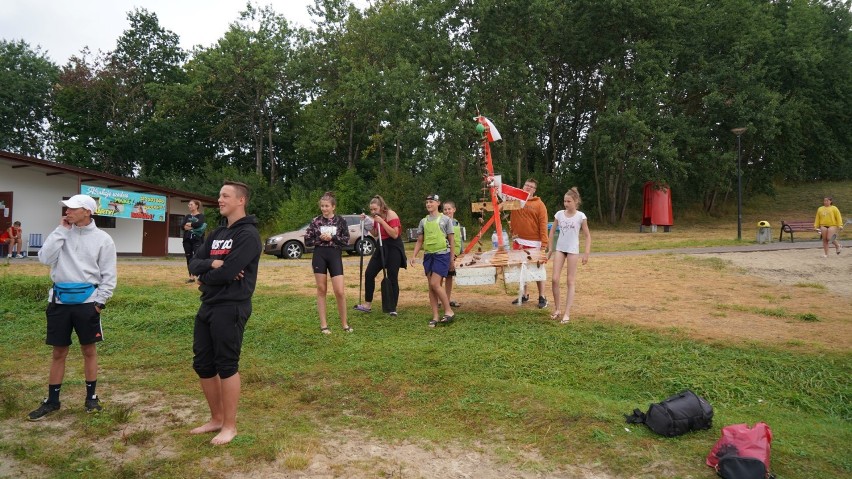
[[292, 250], [365, 246]]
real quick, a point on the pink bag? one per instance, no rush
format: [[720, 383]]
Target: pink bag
[[738, 448]]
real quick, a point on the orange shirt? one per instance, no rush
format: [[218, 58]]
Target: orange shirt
[[530, 222]]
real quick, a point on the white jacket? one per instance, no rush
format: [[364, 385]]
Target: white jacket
[[81, 255]]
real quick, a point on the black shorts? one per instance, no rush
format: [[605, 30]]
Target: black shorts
[[218, 339], [327, 261], [82, 318]]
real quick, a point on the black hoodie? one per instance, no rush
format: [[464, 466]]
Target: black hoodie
[[239, 246]]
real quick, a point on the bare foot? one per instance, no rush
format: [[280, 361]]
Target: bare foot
[[224, 437], [211, 426]]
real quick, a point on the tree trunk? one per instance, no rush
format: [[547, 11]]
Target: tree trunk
[[350, 160], [380, 139], [597, 181], [258, 146], [272, 169]]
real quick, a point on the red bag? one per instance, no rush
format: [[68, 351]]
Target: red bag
[[737, 449]]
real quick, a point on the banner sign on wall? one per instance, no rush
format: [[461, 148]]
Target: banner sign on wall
[[126, 204]]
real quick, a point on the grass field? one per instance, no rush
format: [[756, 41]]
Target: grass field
[[537, 399]]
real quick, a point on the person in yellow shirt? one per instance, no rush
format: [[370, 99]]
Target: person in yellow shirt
[[828, 222]]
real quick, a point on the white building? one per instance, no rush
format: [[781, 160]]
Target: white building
[[30, 191]]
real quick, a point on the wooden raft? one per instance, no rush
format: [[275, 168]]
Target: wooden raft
[[518, 266]]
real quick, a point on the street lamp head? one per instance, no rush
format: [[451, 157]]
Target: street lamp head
[[739, 131]]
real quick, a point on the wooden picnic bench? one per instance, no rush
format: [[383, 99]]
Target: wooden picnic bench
[[791, 226]]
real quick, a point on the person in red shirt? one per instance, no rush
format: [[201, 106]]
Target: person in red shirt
[[385, 222], [12, 238]]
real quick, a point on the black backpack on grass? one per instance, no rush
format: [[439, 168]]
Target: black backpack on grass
[[679, 414]]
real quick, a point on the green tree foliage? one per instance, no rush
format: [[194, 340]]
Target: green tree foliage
[[26, 81], [297, 209], [600, 94], [242, 91], [105, 109], [209, 178]]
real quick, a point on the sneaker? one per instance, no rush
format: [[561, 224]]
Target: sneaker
[[9, 255], [392, 314], [93, 404], [524, 299], [43, 410], [542, 302], [362, 308]]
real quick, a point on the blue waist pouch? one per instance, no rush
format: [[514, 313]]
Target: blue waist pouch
[[72, 293]]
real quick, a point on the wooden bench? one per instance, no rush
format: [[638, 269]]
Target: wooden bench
[[791, 226]]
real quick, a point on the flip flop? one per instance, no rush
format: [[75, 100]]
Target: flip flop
[[565, 320], [447, 319], [325, 331], [433, 323], [556, 314]]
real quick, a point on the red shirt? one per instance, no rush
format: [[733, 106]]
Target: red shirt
[[15, 233], [394, 223]]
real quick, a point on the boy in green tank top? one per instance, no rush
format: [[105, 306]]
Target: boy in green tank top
[[449, 210], [435, 237]]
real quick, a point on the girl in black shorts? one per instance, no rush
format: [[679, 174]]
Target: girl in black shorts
[[327, 233]]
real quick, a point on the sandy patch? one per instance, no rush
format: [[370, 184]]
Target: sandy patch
[[351, 454]]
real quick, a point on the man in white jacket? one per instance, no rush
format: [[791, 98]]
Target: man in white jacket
[[82, 264]]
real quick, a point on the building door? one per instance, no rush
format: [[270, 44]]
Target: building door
[[5, 210], [155, 238]]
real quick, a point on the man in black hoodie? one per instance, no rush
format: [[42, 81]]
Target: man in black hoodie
[[226, 268]]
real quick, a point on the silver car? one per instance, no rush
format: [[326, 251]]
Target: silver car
[[291, 245]]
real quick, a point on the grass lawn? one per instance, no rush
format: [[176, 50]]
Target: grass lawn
[[538, 398]]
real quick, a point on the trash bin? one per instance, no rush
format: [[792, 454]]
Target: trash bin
[[764, 232]]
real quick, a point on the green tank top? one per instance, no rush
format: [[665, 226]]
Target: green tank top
[[457, 239], [434, 240]]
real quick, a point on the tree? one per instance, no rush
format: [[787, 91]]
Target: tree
[[105, 109], [26, 81], [242, 88]]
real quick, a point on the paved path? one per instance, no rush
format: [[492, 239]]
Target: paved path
[[270, 261], [719, 249]]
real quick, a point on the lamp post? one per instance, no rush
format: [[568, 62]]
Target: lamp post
[[739, 132]]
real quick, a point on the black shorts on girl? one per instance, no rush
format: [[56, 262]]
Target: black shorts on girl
[[327, 261], [218, 339], [82, 318]]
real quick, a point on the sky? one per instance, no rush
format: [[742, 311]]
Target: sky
[[63, 27]]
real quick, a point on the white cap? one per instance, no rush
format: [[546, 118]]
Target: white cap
[[81, 201]]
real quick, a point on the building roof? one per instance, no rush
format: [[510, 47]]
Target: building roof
[[98, 178]]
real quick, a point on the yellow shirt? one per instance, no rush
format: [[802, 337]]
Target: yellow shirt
[[828, 216]]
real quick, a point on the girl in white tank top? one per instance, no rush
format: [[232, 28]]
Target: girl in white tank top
[[566, 251]]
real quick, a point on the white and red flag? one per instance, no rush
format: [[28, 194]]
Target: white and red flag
[[491, 132]]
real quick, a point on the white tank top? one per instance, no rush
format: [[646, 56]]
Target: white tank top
[[569, 231]]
